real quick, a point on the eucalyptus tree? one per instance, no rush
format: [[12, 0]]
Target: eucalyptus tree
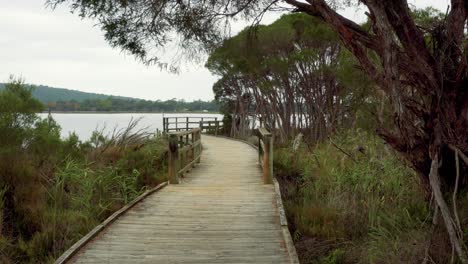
[[421, 68], [289, 74]]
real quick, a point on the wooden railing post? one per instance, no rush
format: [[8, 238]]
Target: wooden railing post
[[173, 159], [260, 156], [193, 151], [184, 151], [265, 154], [268, 159], [199, 147]]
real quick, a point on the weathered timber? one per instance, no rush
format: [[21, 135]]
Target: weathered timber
[[222, 213], [211, 127], [67, 255], [178, 123], [265, 153], [184, 151]]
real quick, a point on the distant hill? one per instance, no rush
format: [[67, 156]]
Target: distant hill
[[65, 100], [47, 94]]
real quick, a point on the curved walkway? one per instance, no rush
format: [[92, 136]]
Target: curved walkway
[[220, 213]]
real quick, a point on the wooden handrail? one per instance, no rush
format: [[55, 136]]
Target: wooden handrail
[[265, 154], [184, 151], [211, 126], [177, 123]]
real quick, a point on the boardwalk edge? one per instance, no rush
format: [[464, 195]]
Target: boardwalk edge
[[293, 258], [71, 252]]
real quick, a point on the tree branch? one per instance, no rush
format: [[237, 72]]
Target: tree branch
[[448, 220]]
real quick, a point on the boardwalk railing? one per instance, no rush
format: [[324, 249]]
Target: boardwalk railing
[[178, 123], [265, 154], [184, 151], [211, 126], [207, 124]]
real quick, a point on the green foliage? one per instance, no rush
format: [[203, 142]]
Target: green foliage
[[292, 69], [427, 18], [52, 190], [335, 257], [143, 28], [369, 206], [132, 105], [58, 99], [149, 161], [46, 94], [17, 113]]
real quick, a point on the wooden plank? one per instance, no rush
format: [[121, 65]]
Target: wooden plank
[[81, 243], [221, 213], [189, 165], [284, 225], [293, 257], [263, 132], [183, 133]]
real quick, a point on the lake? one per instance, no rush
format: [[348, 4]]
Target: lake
[[83, 124]]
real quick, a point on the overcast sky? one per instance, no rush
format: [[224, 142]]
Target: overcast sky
[[58, 49]]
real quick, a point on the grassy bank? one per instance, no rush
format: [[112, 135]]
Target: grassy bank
[[350, 200], [53, 191]]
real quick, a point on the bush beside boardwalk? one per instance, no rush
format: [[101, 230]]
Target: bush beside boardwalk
[[359, 204], [53, 191]]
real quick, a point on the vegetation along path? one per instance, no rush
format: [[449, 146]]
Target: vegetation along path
[[220, 213]]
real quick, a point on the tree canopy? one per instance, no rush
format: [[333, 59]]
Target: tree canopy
[[144, 28], [421, 67], [293, 74]]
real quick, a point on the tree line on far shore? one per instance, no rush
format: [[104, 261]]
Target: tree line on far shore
[[112, 104], [66, 100]]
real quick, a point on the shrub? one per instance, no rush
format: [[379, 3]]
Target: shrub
[[355, 196], [53, 191]]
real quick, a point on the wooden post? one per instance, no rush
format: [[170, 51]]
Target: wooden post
[[260, 156], [187, 124], [199, 147], [193, 150], [164, 124], [268, 159], [270, 164], [173, 159]]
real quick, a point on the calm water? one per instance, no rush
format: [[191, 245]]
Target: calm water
[[84, 124]]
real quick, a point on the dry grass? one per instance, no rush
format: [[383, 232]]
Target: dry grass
[[367, 208]]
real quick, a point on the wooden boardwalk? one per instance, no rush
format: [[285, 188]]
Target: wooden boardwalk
[[220, 213]]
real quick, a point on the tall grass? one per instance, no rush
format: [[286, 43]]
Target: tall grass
[[53, 198], [52, 190], [350, 200]]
